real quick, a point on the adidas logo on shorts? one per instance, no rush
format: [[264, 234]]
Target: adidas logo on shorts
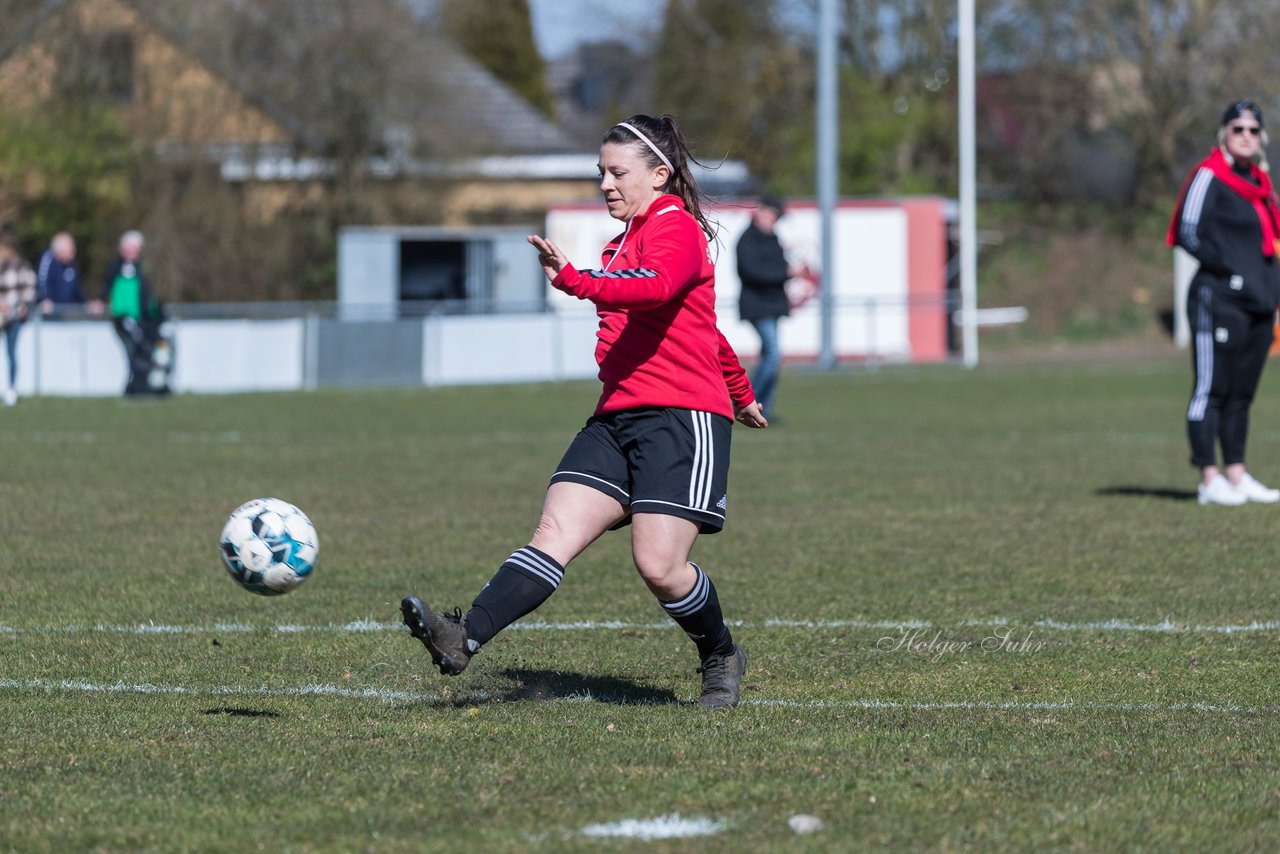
[[723, 503]]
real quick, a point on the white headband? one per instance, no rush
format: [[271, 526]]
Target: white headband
[[649, 142]]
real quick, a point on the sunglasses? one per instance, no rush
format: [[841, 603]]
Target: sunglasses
[[1252, 130]]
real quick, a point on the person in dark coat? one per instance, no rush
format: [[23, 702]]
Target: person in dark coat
[[58, 277], [1227, 217], [764, 273]]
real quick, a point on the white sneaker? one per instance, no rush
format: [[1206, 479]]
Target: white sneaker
[[1254, 491], [10, 397], [1220, 491]]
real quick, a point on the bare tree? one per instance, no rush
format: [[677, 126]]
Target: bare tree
[[1140, 82]]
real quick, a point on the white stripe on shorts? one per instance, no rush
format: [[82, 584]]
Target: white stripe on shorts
[[703, 461], [636, 508], [612, 486]]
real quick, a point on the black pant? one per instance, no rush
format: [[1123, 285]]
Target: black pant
[[137, 351], [1229, 350]]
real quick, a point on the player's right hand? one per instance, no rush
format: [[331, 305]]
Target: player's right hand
[[549, 256]]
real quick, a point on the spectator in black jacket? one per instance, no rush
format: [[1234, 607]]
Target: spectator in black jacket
[[1227, 217], [58, 277], [764, 273]]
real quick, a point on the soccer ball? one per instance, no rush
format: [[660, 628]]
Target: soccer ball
[[269, 546]]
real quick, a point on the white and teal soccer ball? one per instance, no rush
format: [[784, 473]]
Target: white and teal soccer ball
[[269, 546]]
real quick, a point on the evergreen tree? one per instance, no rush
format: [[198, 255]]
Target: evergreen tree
[[727, 72], [499, 35]]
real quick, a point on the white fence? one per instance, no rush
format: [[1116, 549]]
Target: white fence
[[889, 289], [309, 347], [84, 357]]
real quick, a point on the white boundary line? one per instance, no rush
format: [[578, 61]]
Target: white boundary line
[[364, 626], [172, 437], [673, 826], [78, 685], [387, 695]]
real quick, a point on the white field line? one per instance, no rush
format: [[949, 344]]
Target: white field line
[[365, 626], [199, 437], [673, 826], [387, 695], [78, 685]]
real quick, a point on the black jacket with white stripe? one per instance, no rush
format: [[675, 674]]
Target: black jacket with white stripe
[[1222, 231]]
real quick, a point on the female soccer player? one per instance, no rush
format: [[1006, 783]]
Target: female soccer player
[[656, 451]]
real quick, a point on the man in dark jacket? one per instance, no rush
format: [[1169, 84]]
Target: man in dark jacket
[[58, 277], [764, 272]]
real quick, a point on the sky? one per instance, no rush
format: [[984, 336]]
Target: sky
[[560, 25]]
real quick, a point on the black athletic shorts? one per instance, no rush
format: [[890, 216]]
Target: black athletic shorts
[[662, 460]]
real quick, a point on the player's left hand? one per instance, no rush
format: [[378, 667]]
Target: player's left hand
[[549, 256], [752, 415]]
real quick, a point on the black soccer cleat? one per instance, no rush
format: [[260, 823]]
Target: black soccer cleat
[[444, 635], [721, 677]]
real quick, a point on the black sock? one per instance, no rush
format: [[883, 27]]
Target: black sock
[[699, 614], [521, 584]]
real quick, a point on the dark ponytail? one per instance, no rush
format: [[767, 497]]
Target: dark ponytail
[[664, 133]]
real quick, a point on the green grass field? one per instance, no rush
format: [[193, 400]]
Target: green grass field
[[146, 702]]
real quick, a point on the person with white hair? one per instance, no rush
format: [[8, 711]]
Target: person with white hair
[[127, 296], [1227, 217], [58, 276]]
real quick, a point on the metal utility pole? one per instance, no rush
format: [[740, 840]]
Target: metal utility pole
[[827, 175], [968, 190]]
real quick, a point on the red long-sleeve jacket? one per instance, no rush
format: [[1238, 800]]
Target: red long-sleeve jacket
[[658, 344]]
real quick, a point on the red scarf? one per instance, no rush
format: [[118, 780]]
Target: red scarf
[[1260, 195]]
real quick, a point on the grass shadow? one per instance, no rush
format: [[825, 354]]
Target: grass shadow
[[1148, 492], [542, 686], [549, 686], [236, 712]]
